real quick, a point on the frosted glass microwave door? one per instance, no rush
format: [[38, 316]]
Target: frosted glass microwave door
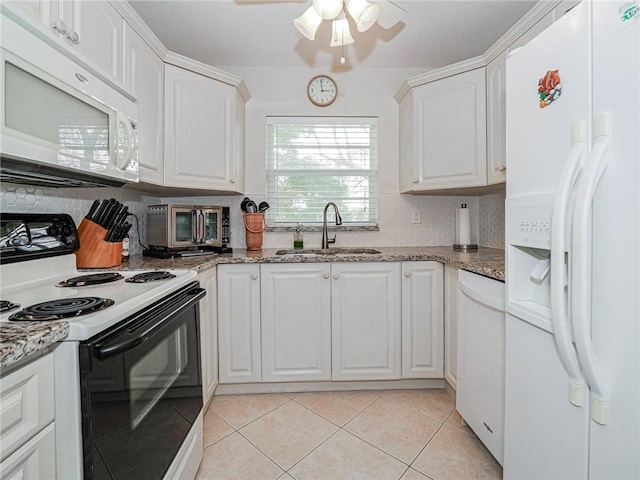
[[42, 111]]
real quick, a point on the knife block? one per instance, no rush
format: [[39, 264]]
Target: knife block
[[94, 252]]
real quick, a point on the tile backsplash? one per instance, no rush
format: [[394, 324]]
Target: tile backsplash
[[437, 214], [76, 202]]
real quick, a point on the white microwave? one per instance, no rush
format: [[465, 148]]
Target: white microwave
[[59, 124]]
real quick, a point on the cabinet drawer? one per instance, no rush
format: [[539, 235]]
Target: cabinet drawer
[[35, 459], [26, 403]]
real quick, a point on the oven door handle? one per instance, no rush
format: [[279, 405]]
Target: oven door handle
[[126, 340]]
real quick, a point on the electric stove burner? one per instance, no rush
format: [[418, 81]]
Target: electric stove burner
[[150, 277], [7, 306], [91, 279], [62, 308]]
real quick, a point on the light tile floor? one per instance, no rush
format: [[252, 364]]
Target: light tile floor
[[393, 434]]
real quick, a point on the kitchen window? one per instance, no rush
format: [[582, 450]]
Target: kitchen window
[[315, 160]]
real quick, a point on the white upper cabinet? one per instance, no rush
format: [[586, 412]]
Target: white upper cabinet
[[201, 125], [97, 34], [496, 120], [296, 321], [144, 78], [91, 30], [444, 123], [366, 311], [422, 320]]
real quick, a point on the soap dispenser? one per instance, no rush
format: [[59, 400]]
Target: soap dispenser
[[298, 241]]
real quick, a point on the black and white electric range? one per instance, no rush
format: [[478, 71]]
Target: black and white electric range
[[128, 388]]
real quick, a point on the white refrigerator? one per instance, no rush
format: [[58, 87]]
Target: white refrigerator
[[572, 385]]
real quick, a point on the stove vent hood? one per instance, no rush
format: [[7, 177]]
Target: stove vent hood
[[26, 173]]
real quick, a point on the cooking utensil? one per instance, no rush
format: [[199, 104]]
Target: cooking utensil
[[251, 207], [263, 207], [243, 204]]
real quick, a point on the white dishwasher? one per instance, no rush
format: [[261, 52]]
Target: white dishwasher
[[481, 352]]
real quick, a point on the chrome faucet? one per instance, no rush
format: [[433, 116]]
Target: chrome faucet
[[325, 237]]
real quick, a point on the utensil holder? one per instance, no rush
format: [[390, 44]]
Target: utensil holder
[[254, 224], [94, 252]]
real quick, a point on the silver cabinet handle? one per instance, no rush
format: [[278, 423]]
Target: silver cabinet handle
[[407, 274], [325, 275], [60, 27], [501, 168], [254, 276], [336, 276], [73, 37]]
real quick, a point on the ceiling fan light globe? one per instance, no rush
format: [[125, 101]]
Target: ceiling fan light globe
[[340, 32], [308, 23], [364, 13], [328, 9]]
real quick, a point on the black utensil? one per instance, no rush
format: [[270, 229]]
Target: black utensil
[[251, 207], [243, 204], [98, 214], [263, 207], [92, 210]]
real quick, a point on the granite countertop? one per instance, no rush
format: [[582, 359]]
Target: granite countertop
[[19, 340], [486, 261]]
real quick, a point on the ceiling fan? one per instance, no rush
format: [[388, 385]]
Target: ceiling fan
[[365, 14]]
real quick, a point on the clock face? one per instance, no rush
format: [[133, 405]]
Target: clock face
[[322, 90]]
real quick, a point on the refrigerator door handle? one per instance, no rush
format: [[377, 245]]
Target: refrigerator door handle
[[561, 331], [582, 269]]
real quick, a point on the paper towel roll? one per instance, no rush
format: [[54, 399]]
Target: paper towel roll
[[463, 226]]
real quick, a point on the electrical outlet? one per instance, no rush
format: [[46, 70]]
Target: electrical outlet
[[415, 216]]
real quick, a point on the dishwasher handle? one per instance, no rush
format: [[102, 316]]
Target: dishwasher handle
[[481, 298]]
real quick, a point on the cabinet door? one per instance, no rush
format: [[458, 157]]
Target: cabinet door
[[144, 77], [450, 324], [239, 323], [99, 28], [36, 10], [34, 459], [26, 403], [365, 307], [449, 132], [422, 320], [296, 322], [496, 120], [208, 334], [200, 124]]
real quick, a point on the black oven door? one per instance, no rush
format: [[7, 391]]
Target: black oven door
[[141, 389]]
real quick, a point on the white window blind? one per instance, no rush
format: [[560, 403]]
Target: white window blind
[[315, 160]]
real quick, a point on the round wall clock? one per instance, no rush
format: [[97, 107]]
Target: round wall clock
[[322, 90]]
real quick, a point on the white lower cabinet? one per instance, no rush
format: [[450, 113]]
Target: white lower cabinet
[[239, 323], [422, 320], [208, 334], [34, 459], [292, 322], [296, 321], [27, 427], [365, 307], [450, 324]]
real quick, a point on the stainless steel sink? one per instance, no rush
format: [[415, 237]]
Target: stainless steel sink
[[317, 252]]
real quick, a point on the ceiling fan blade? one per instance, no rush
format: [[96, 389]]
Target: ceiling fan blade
[[390, 14]]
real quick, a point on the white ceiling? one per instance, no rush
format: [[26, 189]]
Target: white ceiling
[[260, 33]]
